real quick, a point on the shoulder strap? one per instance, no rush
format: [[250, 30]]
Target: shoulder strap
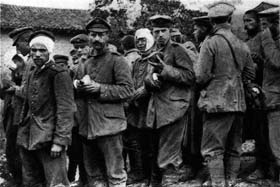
[[232, 51]]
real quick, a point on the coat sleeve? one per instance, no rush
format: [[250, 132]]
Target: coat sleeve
[[123, 87], [270, 49], [21, 90], [204, 64], [249, 71], [65, 108], [182, 72]]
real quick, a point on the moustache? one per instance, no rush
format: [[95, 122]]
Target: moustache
[[96, 43], [37, 59]]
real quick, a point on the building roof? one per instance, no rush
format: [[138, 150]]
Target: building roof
[[13, 16], [263, 6]]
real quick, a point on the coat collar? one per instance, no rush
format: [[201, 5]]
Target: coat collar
[[131, 51], [43, 67], [222, 26]]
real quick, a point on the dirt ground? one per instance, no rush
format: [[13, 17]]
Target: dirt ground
[[247, 165]]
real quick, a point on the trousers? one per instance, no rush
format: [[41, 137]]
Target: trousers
[[221, 143], [39, 169], [103, 160]]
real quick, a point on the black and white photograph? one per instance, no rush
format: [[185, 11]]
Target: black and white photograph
[[140, 93]]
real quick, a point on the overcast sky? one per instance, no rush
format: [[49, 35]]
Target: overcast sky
[[84, 4]]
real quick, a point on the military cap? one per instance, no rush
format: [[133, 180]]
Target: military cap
[[175, 32], [79, 39], [202, 20], [220, 9], [270, 12], [98, 25], [43, 33], [16, 33], [161, 21], [60, 59]]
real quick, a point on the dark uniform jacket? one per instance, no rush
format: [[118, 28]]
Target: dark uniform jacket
[[20, 90], [104, 113], [257, 55], [14, 102], [171, 102], [49, 108], [271, 74], [218, 75], [138, 104]]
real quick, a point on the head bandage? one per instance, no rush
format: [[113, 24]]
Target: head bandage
[[145, 33], [46, 41]]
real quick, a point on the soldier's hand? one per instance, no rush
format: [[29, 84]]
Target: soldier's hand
[[93, 87], [56, 150], [10, 90], [139, 92], [159, 65]]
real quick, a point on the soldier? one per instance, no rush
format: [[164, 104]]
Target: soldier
[[176, 35], [61, 60], [13, 99], [131, 54], [75, 152], [202, 28], [136, 136], [271, 48], [169, 82], [105, 82], [48, 112], [224, 63], [20, 37], [251, 23], [267, 21], [255, 125], [80, 43], [81, 50]]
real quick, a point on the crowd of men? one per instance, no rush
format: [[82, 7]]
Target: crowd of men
[[156, 115]]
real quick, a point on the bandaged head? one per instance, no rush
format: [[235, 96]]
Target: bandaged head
[[145, 33], [43, 37]]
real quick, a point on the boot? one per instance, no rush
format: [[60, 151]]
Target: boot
[[232, 167], [82, 173], [170, 177], [98, 183], [156, 177], [136, 173], [216, 170], [72, 170], [186, 173]]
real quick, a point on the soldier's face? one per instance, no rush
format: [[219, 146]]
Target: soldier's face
[[250, 22], [98, 40], [22, 44], [141, 44], [39, 54], [264, 23], [161, 35], [81, 49]]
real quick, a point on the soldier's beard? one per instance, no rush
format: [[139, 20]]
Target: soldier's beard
[[252, 32], [98, 45]]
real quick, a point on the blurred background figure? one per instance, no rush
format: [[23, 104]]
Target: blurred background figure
[[131, 54]]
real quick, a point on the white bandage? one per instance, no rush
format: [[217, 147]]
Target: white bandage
[[145, 33], [46, 41]]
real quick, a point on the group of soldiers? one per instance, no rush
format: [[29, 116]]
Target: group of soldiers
[[147, 116]]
